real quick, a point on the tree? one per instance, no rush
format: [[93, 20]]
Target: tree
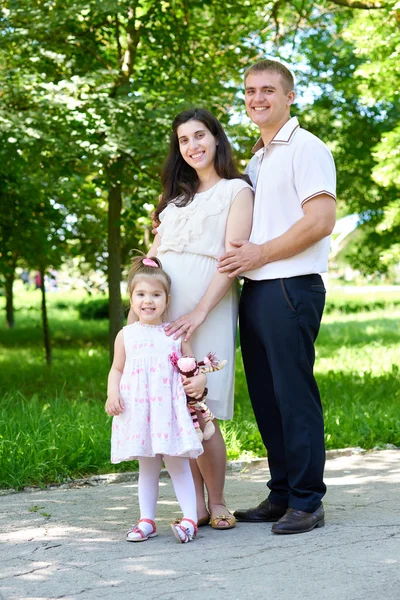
[[365, 108], [93, 86], [99, 64]]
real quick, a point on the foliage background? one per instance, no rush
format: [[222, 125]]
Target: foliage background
[[89, 89], [52, 420]]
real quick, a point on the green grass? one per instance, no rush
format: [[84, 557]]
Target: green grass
[[358, 360], [52, 420]]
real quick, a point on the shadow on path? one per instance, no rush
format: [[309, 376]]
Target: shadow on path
[[69, 543]]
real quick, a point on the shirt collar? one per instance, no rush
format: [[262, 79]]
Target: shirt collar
[[283, 136]]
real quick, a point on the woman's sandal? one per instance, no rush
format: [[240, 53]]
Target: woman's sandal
[[204, 521], [138, 535], [186, 536], [230, 519]]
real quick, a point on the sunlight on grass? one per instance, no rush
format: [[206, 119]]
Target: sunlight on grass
[[373, 358], [362, 343], [52, 420]]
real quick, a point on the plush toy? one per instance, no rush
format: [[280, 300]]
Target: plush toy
[[188, 367]]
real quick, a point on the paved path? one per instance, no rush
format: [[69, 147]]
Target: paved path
[[69, 543]]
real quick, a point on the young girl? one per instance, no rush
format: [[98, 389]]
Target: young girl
[[147, 398]]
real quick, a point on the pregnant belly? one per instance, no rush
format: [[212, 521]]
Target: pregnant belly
[[190, 275]]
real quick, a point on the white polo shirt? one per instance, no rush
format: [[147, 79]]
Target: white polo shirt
[[295, 167]]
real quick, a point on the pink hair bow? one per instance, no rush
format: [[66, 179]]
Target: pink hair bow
[[149, 262]]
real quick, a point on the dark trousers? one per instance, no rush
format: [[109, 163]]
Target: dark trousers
[[279, 323]]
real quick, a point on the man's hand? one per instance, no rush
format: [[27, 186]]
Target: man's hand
[[114, 405], [186, 325], [246, 257]]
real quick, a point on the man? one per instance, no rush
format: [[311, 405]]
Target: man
[[283, 298]]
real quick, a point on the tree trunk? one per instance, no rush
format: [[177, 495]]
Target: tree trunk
[[46, 332], [9, 283], [115, 311]]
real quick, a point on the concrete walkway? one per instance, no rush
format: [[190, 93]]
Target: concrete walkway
[[69, 543]]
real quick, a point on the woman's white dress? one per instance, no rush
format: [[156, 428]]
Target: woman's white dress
[[192, 239]]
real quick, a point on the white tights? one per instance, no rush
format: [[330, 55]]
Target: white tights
[[182, 480]]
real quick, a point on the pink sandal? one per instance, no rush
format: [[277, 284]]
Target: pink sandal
[[187, 535], [135, 529]]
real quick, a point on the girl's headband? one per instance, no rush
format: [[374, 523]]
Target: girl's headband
[[148, 262]]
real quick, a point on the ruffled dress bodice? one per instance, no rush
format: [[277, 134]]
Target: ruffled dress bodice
[[199, 227]]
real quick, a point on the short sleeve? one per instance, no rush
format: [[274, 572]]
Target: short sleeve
[[237, 185], [314, 170]]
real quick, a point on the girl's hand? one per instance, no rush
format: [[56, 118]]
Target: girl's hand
[[194, 386], [186, 325], [114, 406]]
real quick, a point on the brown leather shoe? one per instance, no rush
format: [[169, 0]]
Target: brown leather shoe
[[298, 521], [263, 513]]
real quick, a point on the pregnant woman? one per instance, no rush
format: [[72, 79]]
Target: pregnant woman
[[205, 203]]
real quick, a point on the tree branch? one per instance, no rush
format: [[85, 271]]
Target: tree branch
[[119, 49], [99, 59], [274, 15], [137, 33], [133, 37], [301, 13], [361, 5]]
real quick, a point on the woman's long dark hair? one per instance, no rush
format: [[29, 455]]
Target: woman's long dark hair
[[179, 180]]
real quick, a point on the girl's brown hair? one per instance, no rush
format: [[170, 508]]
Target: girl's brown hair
[[139, 270]]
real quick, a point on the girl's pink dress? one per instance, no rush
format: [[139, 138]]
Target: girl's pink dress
[[155, 419]]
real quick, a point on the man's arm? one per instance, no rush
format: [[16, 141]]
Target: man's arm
[[318, 222]]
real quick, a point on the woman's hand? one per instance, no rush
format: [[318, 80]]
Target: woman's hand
[[186, 325], [114, 405], [155, 222], [194, 386]]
